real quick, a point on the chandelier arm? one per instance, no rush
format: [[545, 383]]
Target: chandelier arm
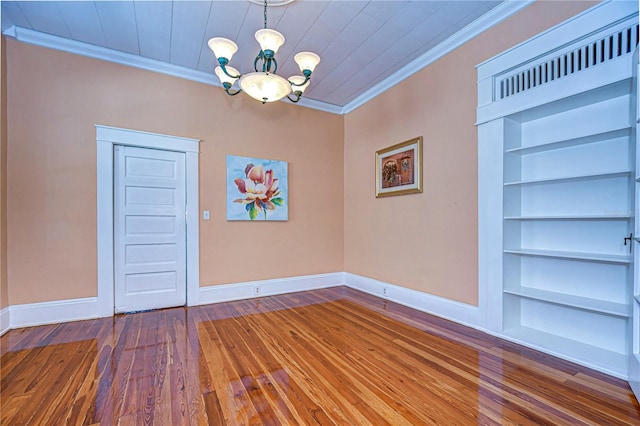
[[306, 79], [224, 69], [275, 65], [267, 62], [227, 86], [296, 99]]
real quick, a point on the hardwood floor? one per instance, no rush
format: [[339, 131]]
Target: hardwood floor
[[333, 356]]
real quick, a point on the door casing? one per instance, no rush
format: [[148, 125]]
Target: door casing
[[106, 138]]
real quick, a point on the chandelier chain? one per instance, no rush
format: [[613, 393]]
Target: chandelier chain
[[265, 14]]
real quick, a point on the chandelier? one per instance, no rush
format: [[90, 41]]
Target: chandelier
[[263, 84]]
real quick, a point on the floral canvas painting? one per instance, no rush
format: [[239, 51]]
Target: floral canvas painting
[[257, 189]]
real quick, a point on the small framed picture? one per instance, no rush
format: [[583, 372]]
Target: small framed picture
[[399, 168]]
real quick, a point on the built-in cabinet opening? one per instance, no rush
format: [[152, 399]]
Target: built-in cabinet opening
[[558, 224]]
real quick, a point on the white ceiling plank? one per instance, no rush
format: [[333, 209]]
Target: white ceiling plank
[[361, 28], [384, 10], [154, 28], [12, 15], [119, 25], [331, 22], [225, 20], [412, 15], [187, 32], [294, 24], [83, 22], [45, 17]]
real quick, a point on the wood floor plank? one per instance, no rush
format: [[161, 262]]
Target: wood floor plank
[[326, 357]]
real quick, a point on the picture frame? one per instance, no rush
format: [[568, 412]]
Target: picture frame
[[399, 169], [257, 189]]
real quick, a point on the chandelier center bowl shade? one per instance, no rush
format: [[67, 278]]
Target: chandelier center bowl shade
[[263, 84]]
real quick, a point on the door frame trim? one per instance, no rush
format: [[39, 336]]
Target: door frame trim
[[106, 138]]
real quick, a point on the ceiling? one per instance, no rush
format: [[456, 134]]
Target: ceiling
[[365, 46]]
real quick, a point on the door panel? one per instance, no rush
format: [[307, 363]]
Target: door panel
[[149, 234]]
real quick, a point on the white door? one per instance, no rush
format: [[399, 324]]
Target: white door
[[149, 229]]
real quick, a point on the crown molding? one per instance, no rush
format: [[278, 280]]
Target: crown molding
[[483, 23], [85, 49]]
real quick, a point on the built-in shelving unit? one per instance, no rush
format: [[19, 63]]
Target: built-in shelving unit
[[559, 188], [578, 255], [567, 208]]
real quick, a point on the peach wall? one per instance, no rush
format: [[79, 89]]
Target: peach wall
[[4, 289], [429, 241], [54, 101]]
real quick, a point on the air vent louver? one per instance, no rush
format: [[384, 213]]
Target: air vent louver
[[608, 48]]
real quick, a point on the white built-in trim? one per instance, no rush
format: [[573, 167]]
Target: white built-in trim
[[547, 350], [106, 138], [58, 311], [5, 320], [261, 288], [490, 213], [586, 27], [483, 23], [495, 115], [459, 312]]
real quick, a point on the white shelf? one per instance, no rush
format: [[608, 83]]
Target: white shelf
[[596, 305], [600, 358], [573, 217], [566, 143], [615, 173], [594, 257]]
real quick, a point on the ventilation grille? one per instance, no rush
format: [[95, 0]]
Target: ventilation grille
[[608, 48]]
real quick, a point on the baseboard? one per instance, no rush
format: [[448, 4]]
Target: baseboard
[[5, 320], [32, 314], [461, 313], [252, 289]]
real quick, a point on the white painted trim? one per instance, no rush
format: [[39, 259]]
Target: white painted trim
[[5, 320], [483, 23], [142, 139], [247, 290], [106, 138], [560, 355], [490, 214], [50, 41], [602, 15], [461, 313], [32, 314]]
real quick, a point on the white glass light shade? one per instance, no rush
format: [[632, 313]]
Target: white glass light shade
[[265, 87], [225, 78], [269, 39], [307, 60], [298, 80], [222, 47]]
